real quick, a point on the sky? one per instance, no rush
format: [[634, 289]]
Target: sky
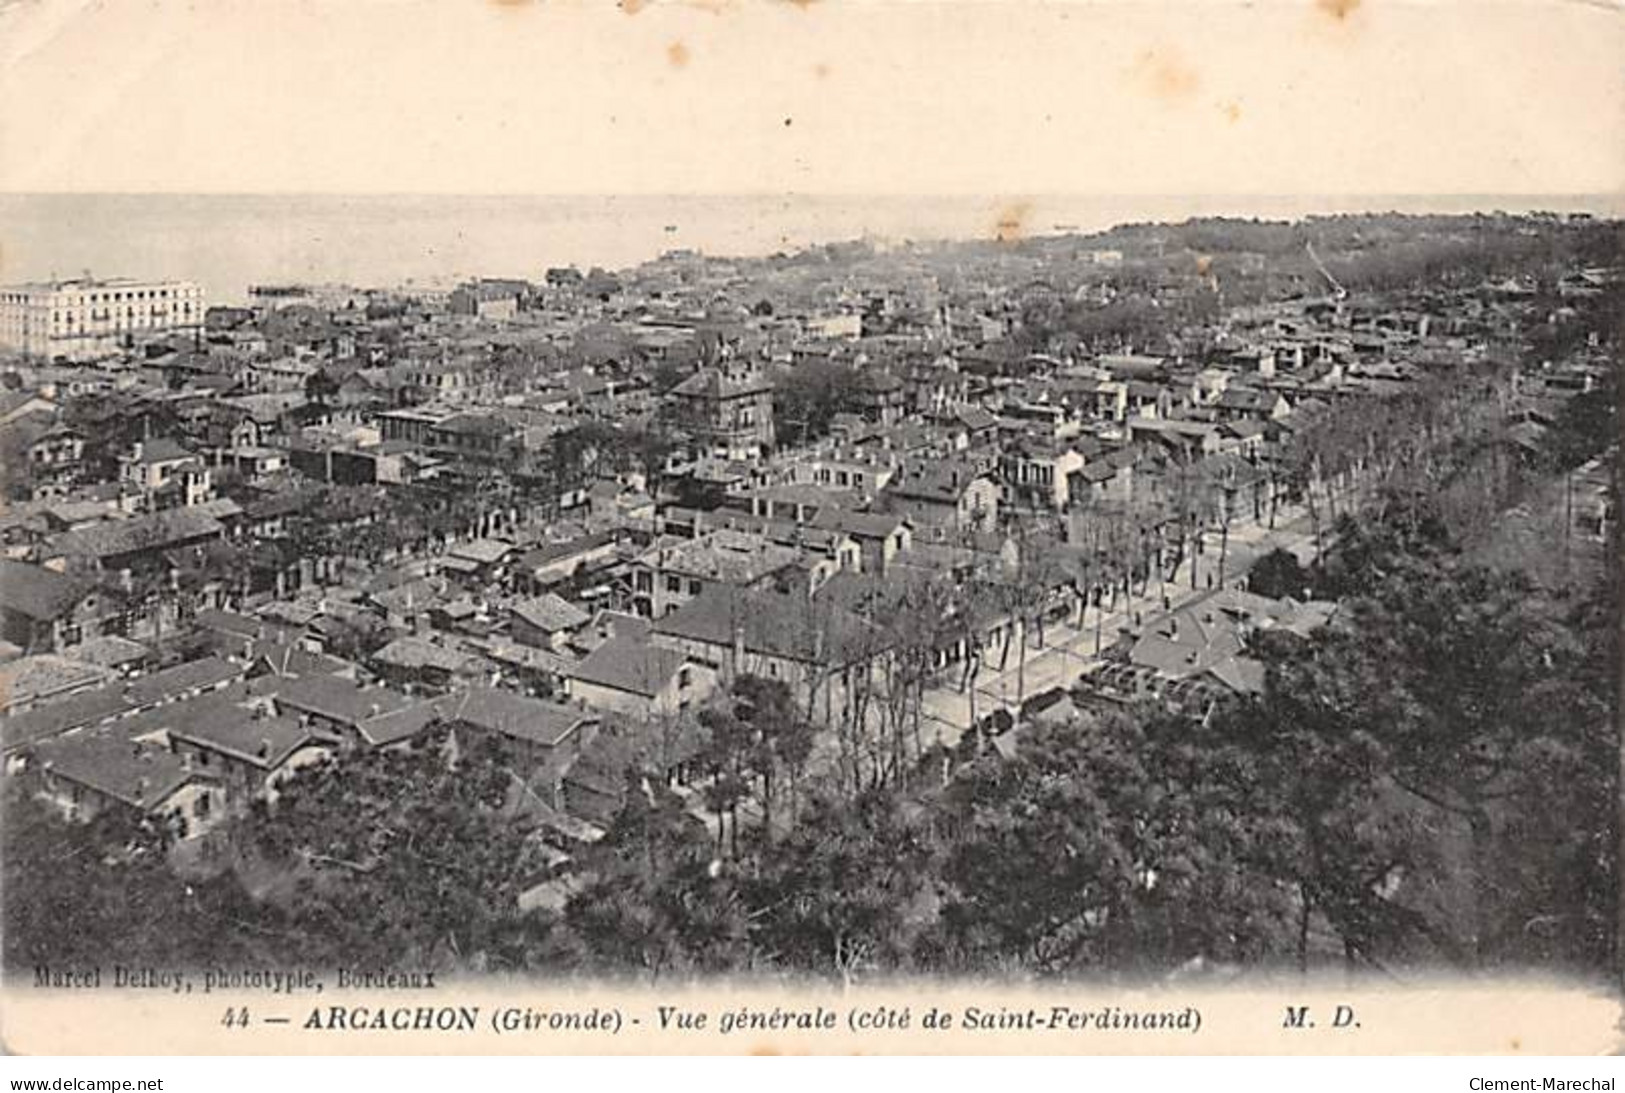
[[846, 97]]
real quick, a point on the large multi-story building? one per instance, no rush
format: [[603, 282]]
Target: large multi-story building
[[88, 319], [729, 409]]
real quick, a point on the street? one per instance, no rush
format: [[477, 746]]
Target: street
[[1070, 650]]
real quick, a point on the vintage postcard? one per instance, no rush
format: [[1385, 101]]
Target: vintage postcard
[[738, 526]]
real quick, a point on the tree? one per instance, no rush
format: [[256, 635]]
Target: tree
[[1466, 679], [660, 900], [1278, 575], [1339, 838], [807, 398], [845, 890], [74, 894], [778, 741], [321, 387], [1117, 843], [403, 857]]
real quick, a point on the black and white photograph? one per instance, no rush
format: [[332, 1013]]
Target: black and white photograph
[[672, 496]]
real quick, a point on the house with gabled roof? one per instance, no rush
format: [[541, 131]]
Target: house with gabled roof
[[816, 647], [43, 611], [21, 731], [880, 536], [1251, 404], [673, 571], [115, 545], [46, 677], [1039, 472], [419, 665], [334, 705], [625, 755], [546, 732], [950, 493], [250, 751], [166, 474], [639, 679], [1202, 652], [546, 621], [85, 775]]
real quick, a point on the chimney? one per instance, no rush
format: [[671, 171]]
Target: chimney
[[374, 710], [265, 748]]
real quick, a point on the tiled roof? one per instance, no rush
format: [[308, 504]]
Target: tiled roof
[[35, 677], [173, 682], [709, 383], [859, 525], [416, 652], [944, 481], [551, 613], [265, 742], [623, 664], [56, 718], [402, 724], [137, 774], [771, 624], [337, 699], [732, 556], [531, 719], [483, 551], [41, 594], [153, 532], [163, 450]]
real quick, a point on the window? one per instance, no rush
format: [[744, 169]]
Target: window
[[674, 584], [694, 588], [683, 678]]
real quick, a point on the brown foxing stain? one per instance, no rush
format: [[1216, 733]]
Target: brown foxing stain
[[511, 5], [1204, 264], [1011, 223], [1165, 75], [764, 1049], [1232, 112], [677, 55], [821, 70], [1338, 9]]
